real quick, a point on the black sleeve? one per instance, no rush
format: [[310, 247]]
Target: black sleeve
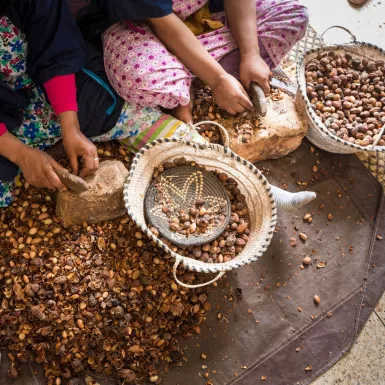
[[11, 104], [55, 45], [119, 10], [216, 6]]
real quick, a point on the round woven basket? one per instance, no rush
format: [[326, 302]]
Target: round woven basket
[[223, 132], [251, 182], [318, 133]]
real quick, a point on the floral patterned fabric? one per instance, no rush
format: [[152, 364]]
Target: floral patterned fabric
[[142, 71]]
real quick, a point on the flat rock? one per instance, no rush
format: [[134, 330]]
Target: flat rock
[[102, 201], [281, 132]]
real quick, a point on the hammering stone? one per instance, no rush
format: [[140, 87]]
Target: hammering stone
[[258, 99], [102, 201]]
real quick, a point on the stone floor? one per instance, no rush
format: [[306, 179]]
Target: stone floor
[[365, 363], [367, 23]]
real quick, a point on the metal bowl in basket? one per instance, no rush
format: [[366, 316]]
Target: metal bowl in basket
[[179, 189], [318, 133]]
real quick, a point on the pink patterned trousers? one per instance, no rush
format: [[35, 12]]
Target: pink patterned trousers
[[143, 72]]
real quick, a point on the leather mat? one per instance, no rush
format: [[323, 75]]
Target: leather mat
[[263, 312]]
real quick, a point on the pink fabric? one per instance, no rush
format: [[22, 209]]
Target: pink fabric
[[143, 72], [61, 91], [232, 60], [3, 129]]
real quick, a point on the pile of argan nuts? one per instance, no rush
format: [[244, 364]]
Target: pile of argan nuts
[[240, 127], [348, 94], [235, 237], [92, 298], [195, 220], [205, 108]]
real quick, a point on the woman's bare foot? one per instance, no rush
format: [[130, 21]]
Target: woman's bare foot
[[184, 113]]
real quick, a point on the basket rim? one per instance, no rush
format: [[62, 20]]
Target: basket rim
[[315, 118], [193, 264]]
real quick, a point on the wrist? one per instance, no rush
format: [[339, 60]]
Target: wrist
[[69, 123], [250, 55], [12, 148], [218, 78]]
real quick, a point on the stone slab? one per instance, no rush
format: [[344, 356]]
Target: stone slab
[[284, 127], [102, 201]]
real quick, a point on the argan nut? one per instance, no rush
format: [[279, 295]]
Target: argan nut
[[192, 228], [223, 177], [242, 228], [306, 261], [80, 324], [199, 202], [33, 231], [303, 236], [174, 286], [317, 299], [174, 227]]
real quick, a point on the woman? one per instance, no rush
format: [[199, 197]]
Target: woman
[[152, 55], [42, 58]]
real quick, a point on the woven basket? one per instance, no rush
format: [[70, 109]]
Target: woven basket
[[251, 182], [223, 132], [318, 133]]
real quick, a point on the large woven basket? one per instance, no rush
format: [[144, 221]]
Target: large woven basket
[[318, 133], [251, 182]]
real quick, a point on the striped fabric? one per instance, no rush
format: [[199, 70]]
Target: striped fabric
[[165, 127]]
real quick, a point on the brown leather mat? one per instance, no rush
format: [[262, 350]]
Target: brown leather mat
[[262, 312], [242, 351]]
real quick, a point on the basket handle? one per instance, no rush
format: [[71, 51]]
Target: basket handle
[[354, 39], [224, 133], [379, 136], [176, 264]]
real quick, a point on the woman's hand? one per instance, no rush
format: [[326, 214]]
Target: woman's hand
[[255, 69], [230, 95], [243, 25], [38, 168], [77, 145]]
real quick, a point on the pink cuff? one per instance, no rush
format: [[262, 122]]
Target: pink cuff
[[61, 91], [3, 129]]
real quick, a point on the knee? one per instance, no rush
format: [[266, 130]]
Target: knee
[[305, 15], [303, 19]]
